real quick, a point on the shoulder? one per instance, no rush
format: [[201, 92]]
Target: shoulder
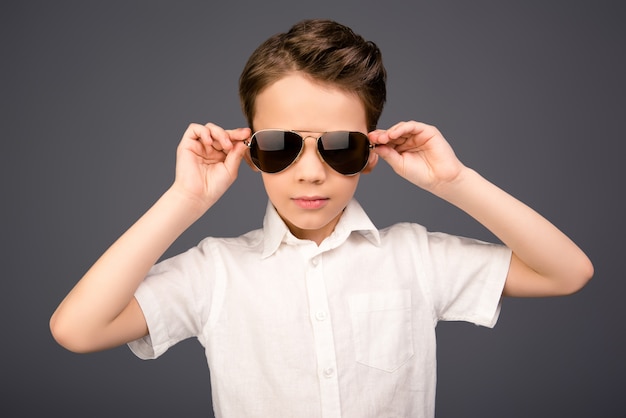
[[249, 242], [404, 230], [416, 237]]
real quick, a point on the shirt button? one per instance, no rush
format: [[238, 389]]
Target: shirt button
[[329, 372], [315, 261], [320, 315]]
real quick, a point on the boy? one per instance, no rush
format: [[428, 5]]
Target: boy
[[318, 313]]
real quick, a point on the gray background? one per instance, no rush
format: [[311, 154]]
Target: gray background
[[94, 99]]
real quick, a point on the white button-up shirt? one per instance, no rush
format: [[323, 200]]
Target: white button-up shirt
[[343, 329]]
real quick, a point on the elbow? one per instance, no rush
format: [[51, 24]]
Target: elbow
[[587, 272], [580, 278], [67, 336]]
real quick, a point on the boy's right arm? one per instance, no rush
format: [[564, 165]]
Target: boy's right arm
[[101, 312]]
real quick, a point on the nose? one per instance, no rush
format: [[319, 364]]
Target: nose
[[310, 167]]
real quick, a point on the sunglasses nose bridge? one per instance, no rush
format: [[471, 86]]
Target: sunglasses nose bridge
[[309, 159], [304, 141], [309, 146]]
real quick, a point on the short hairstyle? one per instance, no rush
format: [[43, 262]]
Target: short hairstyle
[[327, 52]]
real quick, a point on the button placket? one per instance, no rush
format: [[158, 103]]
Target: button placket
[[321, 315], [323, 336], [328, 372]]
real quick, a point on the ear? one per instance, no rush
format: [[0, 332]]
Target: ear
[[246, 156], [371, 163]]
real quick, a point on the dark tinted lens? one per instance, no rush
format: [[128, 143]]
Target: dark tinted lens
[[345, 152], [273, 151]]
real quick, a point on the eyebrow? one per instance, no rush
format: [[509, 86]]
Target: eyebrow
[[309, 132], [322, 132], [305, 131]]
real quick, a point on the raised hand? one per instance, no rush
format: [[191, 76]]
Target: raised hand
[[544, 261], [207, 161], [419, 153], [101, 311]]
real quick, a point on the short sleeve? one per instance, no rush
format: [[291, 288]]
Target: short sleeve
[[173, 299], [467, 278]]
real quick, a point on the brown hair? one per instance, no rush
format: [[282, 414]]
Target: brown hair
[[327, 52]]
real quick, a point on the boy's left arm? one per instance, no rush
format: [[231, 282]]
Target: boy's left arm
[[545, 262]]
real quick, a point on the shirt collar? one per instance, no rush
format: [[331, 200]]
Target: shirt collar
[[353, 219]]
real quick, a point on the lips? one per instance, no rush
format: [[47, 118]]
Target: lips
[[310, 202]]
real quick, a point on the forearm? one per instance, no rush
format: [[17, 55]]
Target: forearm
[[545, 262], [108, 287], [551, 263]]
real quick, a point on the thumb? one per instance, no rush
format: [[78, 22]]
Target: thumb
[[391, 156], [234, 157]]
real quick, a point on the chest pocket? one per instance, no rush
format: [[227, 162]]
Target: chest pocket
[[381, 325]]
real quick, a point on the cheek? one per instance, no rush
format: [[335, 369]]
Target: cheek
[[274, 183], [349, 182]]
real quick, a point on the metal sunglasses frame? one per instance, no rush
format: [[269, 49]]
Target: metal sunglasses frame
[[248, 143]]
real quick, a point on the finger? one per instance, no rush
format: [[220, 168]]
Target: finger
[[412, 129], [196, 138], [390, 155], [414, 136], [383, 138], [378, 136], [234, 157], [239, 135], [220, 139], [397, 134], [196, 132]]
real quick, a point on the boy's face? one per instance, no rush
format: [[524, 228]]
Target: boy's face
[[309, 195]]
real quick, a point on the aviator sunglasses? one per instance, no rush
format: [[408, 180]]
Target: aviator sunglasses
[[274, 150]]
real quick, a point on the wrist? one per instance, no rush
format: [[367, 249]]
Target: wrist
[[462, 182], [184, 205]]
